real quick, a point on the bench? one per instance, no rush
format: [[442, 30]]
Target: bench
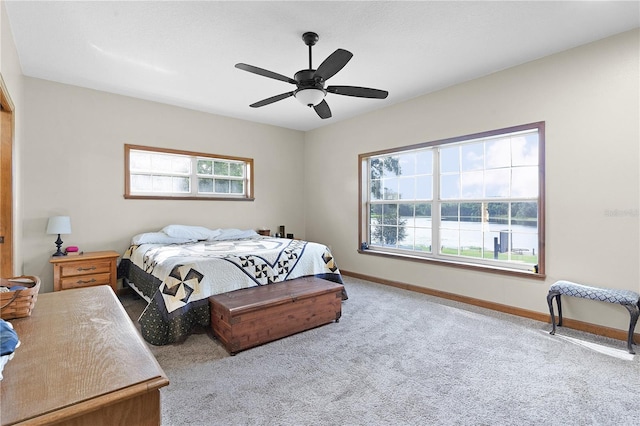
[[249, 317], [627, 298]]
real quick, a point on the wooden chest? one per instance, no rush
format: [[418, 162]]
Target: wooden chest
[[249, 317]]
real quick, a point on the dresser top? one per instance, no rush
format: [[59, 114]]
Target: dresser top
[[79, 350]]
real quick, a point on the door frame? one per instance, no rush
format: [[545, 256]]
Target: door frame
[[7, 131]]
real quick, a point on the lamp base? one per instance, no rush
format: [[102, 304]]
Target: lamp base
[[58, 244]]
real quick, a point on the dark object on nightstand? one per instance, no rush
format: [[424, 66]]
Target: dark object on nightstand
[[59, 225]]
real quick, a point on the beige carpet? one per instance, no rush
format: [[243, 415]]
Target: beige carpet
[[403, 358]]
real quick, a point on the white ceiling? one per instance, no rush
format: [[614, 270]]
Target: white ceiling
[[183, 52]]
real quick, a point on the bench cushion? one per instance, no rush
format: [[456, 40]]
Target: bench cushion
[[623, 297]]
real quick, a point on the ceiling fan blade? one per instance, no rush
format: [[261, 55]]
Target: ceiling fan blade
[[359, 92], [323, 109], [334, 63], [271, 100], [265, 73]]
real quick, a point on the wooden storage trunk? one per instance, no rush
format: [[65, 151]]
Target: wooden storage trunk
[[249, 317]]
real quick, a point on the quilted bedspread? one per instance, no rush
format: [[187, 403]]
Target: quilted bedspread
[[177, 279]]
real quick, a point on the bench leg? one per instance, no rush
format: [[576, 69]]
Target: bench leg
[[634, 311], [559, 303], [550, 297]]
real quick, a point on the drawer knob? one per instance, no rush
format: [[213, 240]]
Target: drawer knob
[[92, 280], [86, 269]]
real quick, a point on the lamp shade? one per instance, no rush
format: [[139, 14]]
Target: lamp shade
[[59, 225], [310, 97]]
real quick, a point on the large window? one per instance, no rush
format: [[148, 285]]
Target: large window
[[163, 173], [476, 200]]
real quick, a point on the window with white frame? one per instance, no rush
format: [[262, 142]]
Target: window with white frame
[[165, 173], [476, 200]]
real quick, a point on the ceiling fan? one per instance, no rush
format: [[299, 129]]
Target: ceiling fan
[[310, 88]]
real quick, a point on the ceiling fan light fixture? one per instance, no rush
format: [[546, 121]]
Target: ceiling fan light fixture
[[310, 97]]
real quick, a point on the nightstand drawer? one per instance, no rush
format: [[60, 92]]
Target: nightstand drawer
[[85, 268], [85, 281]]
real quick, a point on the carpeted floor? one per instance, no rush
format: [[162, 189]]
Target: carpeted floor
[[402, 358]]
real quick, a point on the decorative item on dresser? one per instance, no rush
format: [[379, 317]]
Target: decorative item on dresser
[[85, 270], [81, 361]]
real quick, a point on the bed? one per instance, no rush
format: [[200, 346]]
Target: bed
[[177, 269]]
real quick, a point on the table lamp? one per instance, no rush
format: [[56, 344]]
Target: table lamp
[[59, 225]]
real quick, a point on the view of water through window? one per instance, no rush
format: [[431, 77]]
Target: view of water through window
[[484, 190]]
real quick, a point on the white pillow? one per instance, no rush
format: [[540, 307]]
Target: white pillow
[[191, 232], [233, 234], [158, 238]]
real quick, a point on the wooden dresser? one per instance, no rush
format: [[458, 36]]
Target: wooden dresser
[[85, 270], [81, 362]]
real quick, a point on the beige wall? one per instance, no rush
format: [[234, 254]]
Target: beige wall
[[73, 164], [12, 76], [589, 98]]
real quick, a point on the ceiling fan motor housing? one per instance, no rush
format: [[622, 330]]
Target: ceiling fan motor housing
[[305, 79]]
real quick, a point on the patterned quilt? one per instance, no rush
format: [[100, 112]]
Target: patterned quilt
[[177, 279]]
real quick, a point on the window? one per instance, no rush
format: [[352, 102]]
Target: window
[[164, 173], [475, 200]]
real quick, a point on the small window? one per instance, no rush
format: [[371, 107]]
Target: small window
[[475, 200], [172, 174]]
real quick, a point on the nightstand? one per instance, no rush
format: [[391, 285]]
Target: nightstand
[[85, 270]]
